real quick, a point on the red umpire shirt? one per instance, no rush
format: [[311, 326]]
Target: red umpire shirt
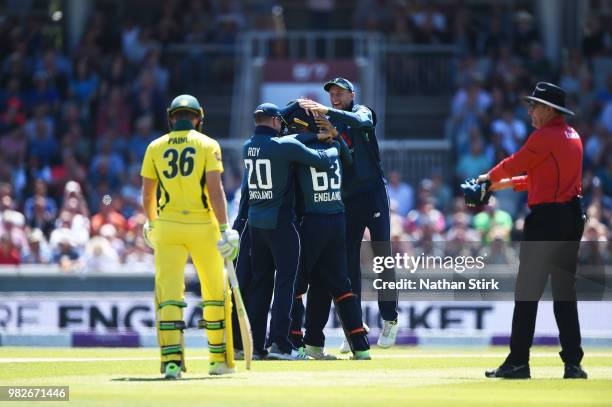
[[552, 159]]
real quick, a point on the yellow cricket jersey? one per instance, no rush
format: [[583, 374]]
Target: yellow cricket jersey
[[179, 161]]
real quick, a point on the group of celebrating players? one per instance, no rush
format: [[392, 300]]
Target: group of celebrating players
[[312, 183]]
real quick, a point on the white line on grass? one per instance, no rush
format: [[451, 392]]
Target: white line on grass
[[375, 356]]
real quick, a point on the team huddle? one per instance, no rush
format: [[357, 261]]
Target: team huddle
[[312, 183]]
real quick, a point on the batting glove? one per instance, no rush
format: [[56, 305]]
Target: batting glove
[[229, 243], [147, 233]]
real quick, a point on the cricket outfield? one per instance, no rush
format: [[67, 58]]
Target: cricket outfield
[[416, 376]]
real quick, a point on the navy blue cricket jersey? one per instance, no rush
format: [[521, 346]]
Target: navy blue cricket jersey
[[357, 129], [269, 171], [320, 190]]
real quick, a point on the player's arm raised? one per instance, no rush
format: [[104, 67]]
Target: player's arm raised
[[322, 160], [360, 118]]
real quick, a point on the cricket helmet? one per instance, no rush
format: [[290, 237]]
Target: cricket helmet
[[294, 116], [188, 103]]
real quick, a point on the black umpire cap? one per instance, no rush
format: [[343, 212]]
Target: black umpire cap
[[551, 95], [341, 82]]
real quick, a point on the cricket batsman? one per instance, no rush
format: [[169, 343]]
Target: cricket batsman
[[183, 168]]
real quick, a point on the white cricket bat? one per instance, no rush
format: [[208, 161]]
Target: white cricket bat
[[243, 318]]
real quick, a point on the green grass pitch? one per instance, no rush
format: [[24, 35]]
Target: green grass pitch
[[406, 376]]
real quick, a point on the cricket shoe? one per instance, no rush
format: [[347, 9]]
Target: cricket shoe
[[361, 355], [172, 370], [388, 335], [300, 354], [574, 372], [260, 356], [506, 371], [345, 347], [239, 355], [318, 353], [219, 368], [276, 353]]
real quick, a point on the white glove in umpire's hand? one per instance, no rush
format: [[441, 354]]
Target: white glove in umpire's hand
[[229, 243]]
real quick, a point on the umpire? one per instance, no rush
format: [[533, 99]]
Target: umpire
[[552, 160], [364, 193]]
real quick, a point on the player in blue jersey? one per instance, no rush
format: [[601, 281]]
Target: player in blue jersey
[[323, 264], [364, 193], [269, 162]]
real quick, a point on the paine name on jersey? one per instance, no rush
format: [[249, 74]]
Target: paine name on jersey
[[177, 140]]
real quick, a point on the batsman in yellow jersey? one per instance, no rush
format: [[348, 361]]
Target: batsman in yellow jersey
[[185, 205]]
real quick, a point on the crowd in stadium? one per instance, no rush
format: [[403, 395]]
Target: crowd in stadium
[[73, 129]]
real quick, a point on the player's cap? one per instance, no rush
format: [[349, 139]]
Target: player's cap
[[267, 109], [551, 95], [341, 82]]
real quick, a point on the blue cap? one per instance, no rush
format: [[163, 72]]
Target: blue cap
[[341, 82], [267, 109]]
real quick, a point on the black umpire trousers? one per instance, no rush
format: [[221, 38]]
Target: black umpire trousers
[[552, 234]]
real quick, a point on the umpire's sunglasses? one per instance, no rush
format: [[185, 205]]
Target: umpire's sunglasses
[[532, 104]]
